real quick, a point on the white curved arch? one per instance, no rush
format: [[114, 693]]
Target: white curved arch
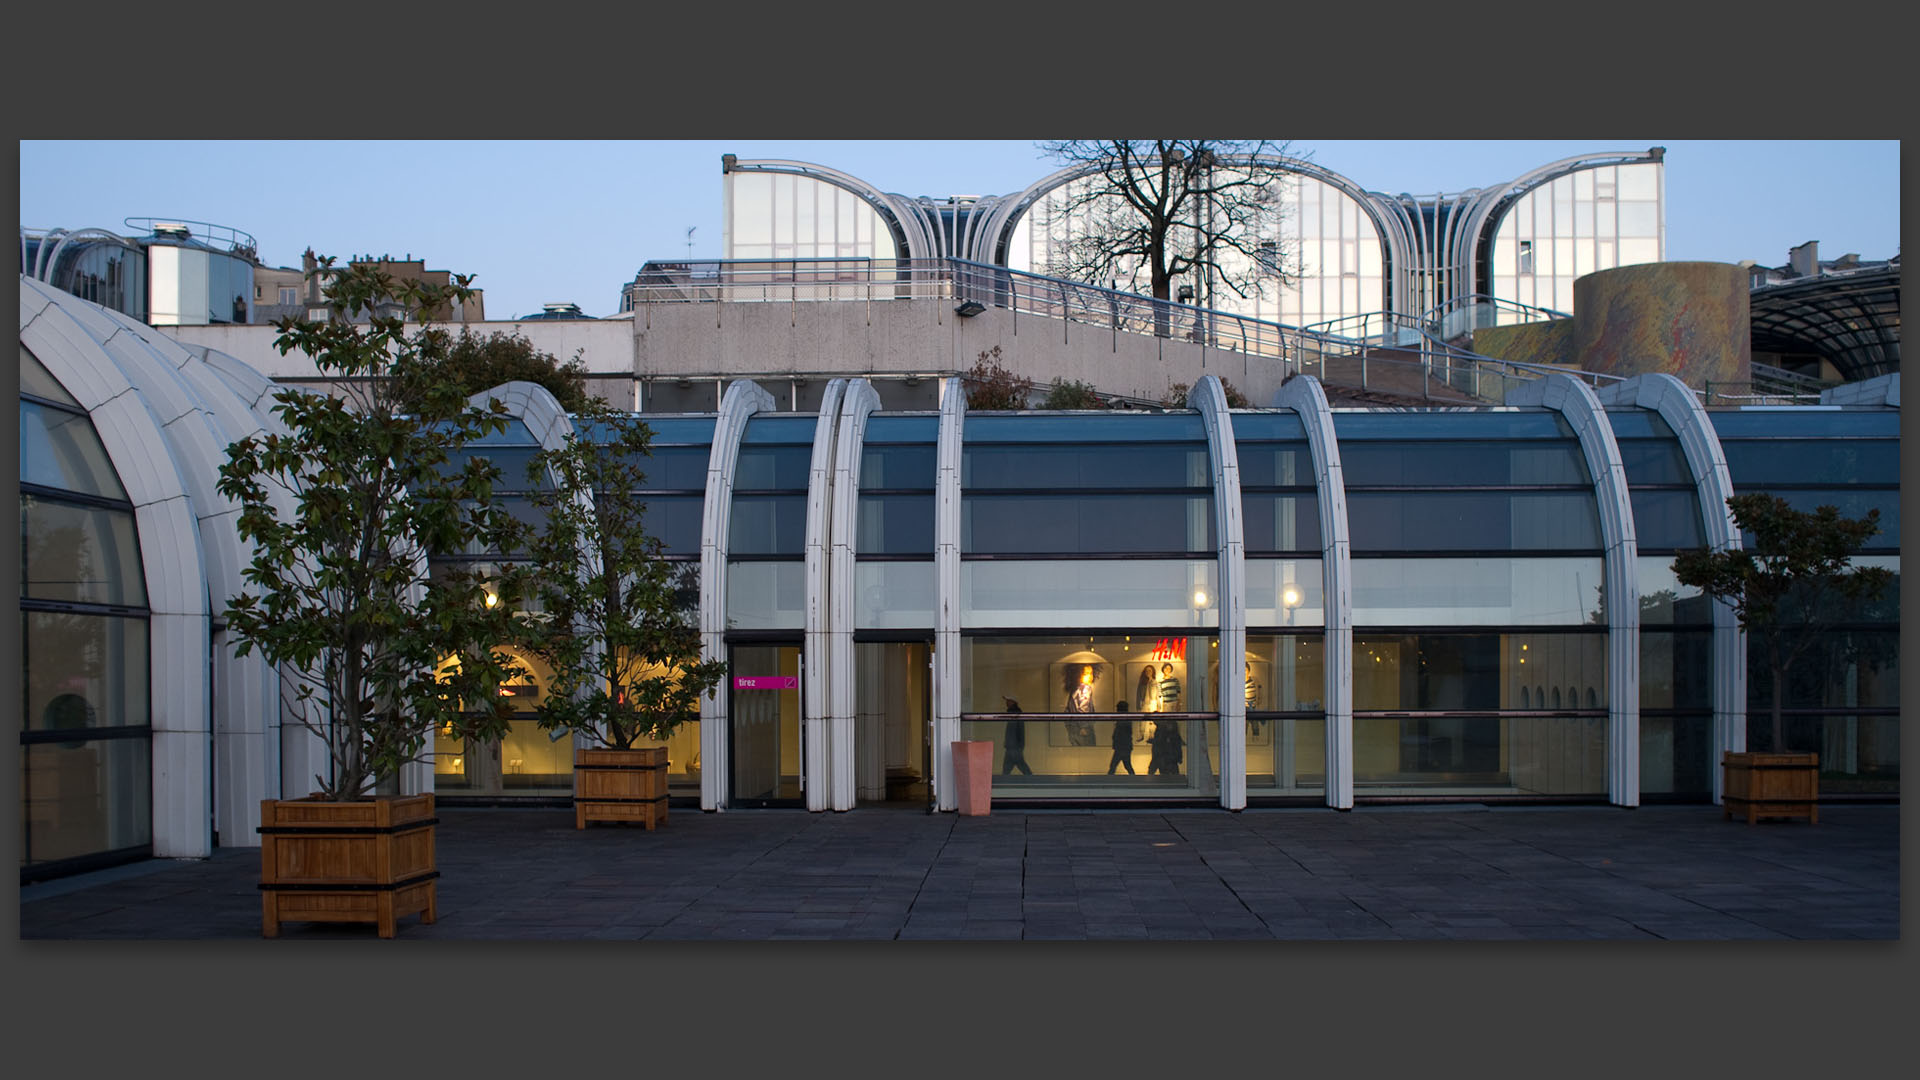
[[1468, 227], [1209, 398], [858, 403], [946, 584], [1713, 485], [1302, 394], [69, 336], [1582, 409], [817, 686], [742, 399]]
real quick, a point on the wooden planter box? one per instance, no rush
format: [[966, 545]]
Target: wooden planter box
[[1771, 786], [369, 861], [624, 786]]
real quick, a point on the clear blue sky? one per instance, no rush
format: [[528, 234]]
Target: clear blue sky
[[572, 221]]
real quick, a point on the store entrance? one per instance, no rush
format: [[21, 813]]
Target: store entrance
[[893, 710], [763, 717]]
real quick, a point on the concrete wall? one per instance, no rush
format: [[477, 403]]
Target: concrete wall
[[680, 352]]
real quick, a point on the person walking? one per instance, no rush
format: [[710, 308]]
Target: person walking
[[1013, 743], [1122, 741]]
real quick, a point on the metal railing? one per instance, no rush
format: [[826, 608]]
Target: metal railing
[[1382, 351], [1463, 315]]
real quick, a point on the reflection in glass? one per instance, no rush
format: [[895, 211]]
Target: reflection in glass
[[80, 554], [1091, 593], [1285, 592], [60, 449], [84, 670], [1172, 757], [1476, 592], [893, 595], [766, 595], [85, 798]]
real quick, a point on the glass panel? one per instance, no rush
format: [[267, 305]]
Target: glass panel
[[895, 525], [80, 554], [1476, 592], [85, 798], [1280, 522], [676, 468], [1082, 428], [1473, 521], [1635, 423], [1484, 425], [1859, 754], [1462, 464], [892, 708], [1275, 464], [35, 379], [896, 467], [1676, 753], [675, 520], [1853, 668], [1472, 672], [768, 525], [771, 468], [1069, 524], [1285, 592], [1667, 520], [766, 596], [1666, 602], [1285, 673], [765, 725], [1049, 759], [61, 450], [84, 670], [1812, 461], [1110, 592], [675, 429], [1850, 503], [1073, 674], [1480, 755], [1253, 427], [1804, 421], [1676, 669], [1078, 468], [893, 595], [1654, 461], [1286, 755]]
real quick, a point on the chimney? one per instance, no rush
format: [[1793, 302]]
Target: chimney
[[1805, 259]]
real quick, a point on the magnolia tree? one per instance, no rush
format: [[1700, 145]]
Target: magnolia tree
[[343, 509], [1786, 584], [615, 620]]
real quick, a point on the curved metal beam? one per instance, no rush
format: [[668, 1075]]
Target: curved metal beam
[[1209, 398], [946, 578], [857, 403], [820, 677]]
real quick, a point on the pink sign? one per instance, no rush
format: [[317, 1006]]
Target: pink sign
[[766, 682]]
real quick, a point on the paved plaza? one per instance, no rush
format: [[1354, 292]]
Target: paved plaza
[[1414, 872]]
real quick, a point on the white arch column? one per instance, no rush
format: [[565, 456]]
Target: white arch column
[[819, 677], [1577, 402], [1700, 446], [858, 402], [946, 583], [742, 399], [1211, 400], [69, 337], [1303, 395]]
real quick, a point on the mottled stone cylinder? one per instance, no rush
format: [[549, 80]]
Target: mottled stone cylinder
[[1686, 319]]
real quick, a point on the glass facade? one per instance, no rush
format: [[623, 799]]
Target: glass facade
[[1840, 696], [1591, 219], [196, 286], [86, 716]]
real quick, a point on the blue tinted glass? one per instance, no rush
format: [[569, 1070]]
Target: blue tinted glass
[[60, 449], [514, 434], [1086, 524], [1288, 464], [1473, 521], [768, 525], [906, 429], [1076, 468], [1253, 427], [512, 461], [1638, 424], [1462, 464], [1852, 504], [1803, 421], [1813, 461], [1522, 424], [1654, 461], [896, 467], [1280, 522], [1086, 427], [674, 520], [680, 429], [793, 428], [1667, 520], [676, 468], [772, 468], [895, 525]]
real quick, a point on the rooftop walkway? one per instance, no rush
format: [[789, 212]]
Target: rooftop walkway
[[1424, 872]]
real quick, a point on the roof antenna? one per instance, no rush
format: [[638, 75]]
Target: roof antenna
[[690, 229]]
